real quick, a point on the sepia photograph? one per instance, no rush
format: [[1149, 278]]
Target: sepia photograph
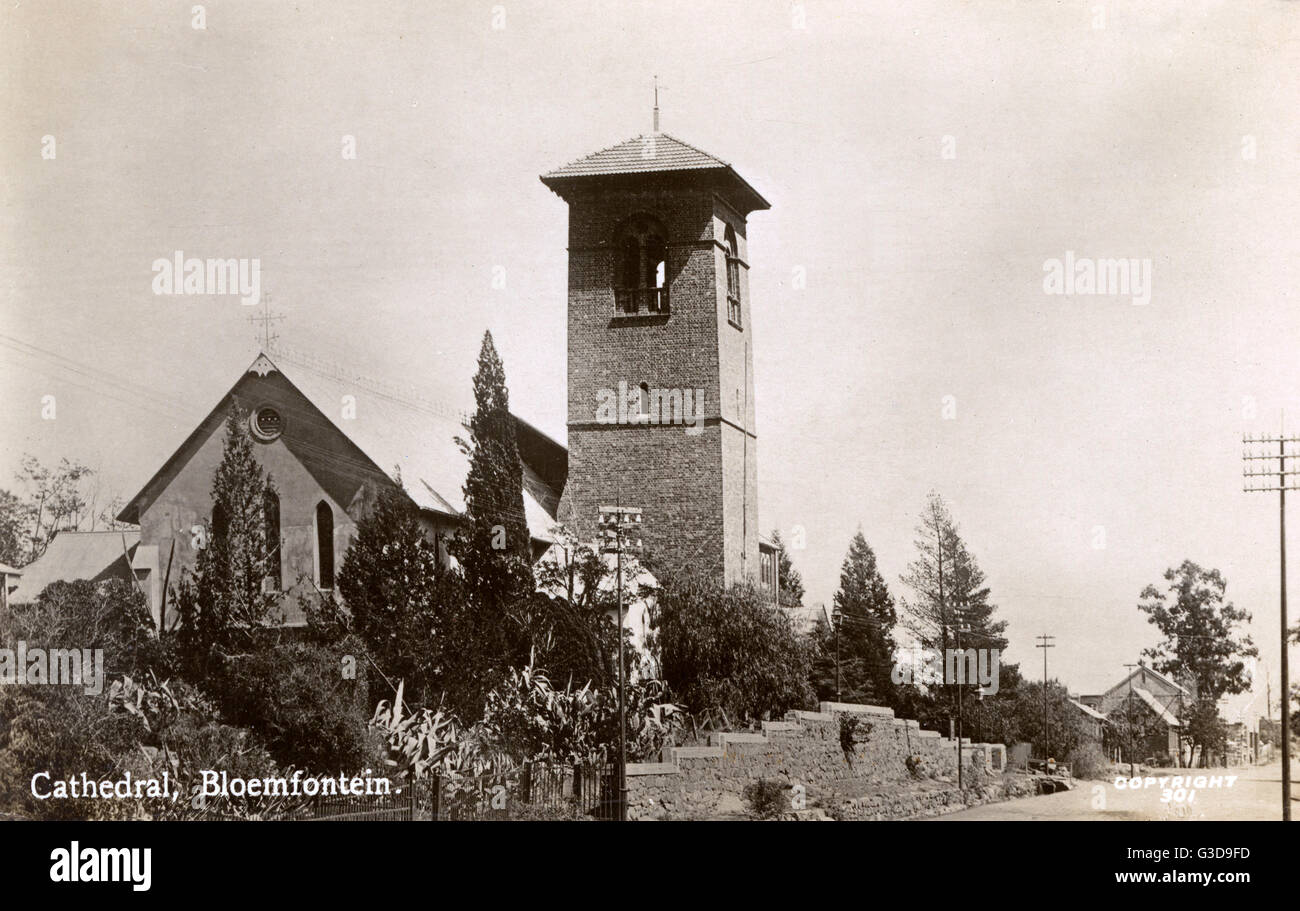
[[515, 414]]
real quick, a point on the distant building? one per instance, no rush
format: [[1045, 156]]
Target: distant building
[[9, 577], [1149, 691], [71, 555], [806, 617], [1092, 721]]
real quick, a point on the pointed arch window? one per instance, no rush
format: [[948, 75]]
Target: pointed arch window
[[641, 266], [324, 546], [733, 276], [220, 522], [271, 518]]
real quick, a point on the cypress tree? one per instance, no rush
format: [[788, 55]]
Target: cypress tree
[[222, 602], [495, 538]]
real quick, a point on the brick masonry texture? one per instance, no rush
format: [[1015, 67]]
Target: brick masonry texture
[[698, 493], [874, 782]]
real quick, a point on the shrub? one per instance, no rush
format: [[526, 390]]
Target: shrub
[[731, 649], [916, 766], [109, 615], [62, 729], [306, 712], [1088, 761], [852, 730], [766, 797]]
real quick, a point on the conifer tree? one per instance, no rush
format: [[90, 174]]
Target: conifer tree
[[222, 602], [867, 619], [789, 581], [494, 547], [948, 587], [950, 603]]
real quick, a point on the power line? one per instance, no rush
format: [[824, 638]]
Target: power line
[[154, 402]]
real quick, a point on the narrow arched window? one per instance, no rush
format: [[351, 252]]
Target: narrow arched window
[[629, 264], [641, 266], [643, 402], [733, 275], [220, 522], [271, 518], [653, 260], [324, 545]]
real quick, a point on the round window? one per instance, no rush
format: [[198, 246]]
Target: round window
[[266, 423]]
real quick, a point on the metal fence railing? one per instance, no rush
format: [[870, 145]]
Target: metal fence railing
[[583, 791], [587, 789]]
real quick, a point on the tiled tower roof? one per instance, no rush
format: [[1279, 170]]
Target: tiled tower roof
[[652, 153]]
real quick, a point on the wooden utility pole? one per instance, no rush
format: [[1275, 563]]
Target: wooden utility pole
[[1128, 711], [616, 517], [959, 666], [836, 617], [1045, 642], [1266, 480]]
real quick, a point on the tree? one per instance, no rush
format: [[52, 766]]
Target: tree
[[222, 604], [730, 649], [1201, 645], [14, 546], [494, 547], [1201, 641], [392, 590], [950, 603], [583, 617], [55, 502], [64, 730], [1205, 728], [948, 587], [1065, 728], [865, 646], [790, 583]]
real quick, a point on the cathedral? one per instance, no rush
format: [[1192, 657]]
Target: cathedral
[[659, 330]]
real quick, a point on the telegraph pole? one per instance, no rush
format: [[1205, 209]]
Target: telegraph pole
[[836, 616], [1128, 711], [960, 667], [1045, 642], [616, 518], [622, 696], [1266, 480]]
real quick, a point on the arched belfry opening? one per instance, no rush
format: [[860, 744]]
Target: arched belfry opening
[[641, 266]]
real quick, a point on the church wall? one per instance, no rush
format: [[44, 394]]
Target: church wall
[[740, 504], [185, 501]]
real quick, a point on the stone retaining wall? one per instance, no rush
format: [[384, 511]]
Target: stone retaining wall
[[871, 780]]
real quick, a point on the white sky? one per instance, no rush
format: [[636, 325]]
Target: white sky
[[924, 274]]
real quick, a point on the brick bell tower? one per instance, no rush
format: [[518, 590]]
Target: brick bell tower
[[660, 368]]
